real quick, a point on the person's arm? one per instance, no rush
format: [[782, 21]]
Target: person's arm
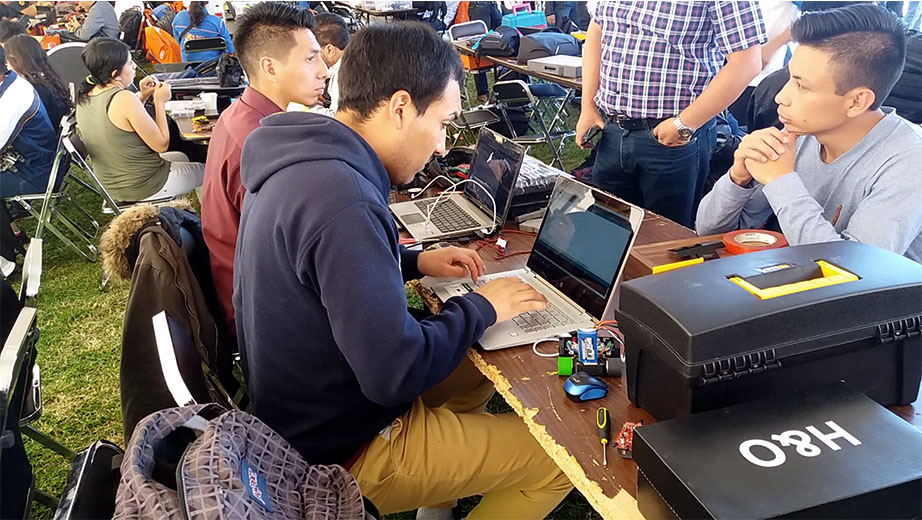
[[17, 114], [890, 216], [728, 207], [227, 37], [773, 44], [409, 264], [725, 88], [394, 357], [592, 63], [92, 24], [154, 132]]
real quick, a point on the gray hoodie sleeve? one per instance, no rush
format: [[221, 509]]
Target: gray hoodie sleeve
[[799, 214], [729, 207], [886, 218], [93, 23]]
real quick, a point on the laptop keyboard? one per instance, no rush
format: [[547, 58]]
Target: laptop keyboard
[[448, 216], [533, 321]]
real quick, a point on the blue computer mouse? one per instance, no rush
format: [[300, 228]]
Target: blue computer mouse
[[583, 387]]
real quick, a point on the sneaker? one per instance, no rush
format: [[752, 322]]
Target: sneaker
[[483, 98], [17, 212], [7, 267]]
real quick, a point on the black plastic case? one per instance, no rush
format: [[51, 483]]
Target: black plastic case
[[694, 467], [695, 341]]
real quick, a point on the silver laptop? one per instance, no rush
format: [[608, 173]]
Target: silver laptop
[[576, 262], [495, 166]]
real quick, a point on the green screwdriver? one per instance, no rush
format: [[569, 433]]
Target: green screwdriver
[[603, 422]]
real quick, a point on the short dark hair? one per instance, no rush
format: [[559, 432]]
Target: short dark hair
[[104, 58], [3, 69], [866, 44], [266, 28], [9, 29], [330, 28], [385, 58]]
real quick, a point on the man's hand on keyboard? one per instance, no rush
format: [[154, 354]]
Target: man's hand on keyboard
[[511, 297], [450, 262]]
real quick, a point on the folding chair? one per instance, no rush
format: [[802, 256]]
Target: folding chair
[[78, 153], [32, 400], [92, 483], [67, 62], [473, 65], [517, 94], [187, 378], [469, 122], [193, 45], [50, 215], [467, 31], [15, 361]]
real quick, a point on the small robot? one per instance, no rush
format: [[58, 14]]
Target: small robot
[[625, 440]]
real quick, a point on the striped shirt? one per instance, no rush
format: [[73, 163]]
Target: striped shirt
[[658, 56]]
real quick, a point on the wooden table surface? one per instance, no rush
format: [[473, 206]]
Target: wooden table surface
[[512, 64], [566, 430], [187, 130]]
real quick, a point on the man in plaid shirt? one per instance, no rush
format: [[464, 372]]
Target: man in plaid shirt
[[654, 78]]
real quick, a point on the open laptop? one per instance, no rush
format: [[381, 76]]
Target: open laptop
[[495, 165], [576, 262]]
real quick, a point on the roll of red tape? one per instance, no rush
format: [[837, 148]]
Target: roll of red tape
[[749, 240]]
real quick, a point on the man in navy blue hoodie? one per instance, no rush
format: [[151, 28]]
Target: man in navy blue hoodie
[[334, 361]]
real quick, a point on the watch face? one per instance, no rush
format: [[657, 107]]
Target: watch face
[[685, 133]]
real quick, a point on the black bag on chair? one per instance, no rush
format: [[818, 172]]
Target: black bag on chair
[[230, 73]]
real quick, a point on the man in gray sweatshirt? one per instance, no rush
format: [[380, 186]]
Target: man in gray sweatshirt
[[843, 167]]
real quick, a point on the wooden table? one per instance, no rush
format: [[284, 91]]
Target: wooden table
[[513, 64], [566, 430]]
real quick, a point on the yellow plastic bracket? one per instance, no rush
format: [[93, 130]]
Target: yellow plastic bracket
[[657, 269], [832, 275]]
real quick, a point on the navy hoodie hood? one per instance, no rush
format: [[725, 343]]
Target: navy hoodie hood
[[298, 137], [330, 351]]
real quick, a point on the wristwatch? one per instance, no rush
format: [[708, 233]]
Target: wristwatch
[[685, 131]]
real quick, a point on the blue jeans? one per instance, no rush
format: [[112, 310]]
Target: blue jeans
[[562, 10], [668, 180], [18, 184]]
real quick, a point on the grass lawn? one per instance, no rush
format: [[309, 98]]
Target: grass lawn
[[78, 353]]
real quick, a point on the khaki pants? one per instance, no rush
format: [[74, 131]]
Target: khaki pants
[[447, 448]]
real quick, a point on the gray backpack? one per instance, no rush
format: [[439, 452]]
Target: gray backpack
[[202, 462]]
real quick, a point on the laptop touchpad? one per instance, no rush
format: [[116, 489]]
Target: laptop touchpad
[[413, 218]]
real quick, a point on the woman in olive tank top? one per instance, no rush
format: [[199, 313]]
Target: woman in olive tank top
[[128, 148]]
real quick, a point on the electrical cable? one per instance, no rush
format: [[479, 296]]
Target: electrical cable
[[451, 191], [534, 348]]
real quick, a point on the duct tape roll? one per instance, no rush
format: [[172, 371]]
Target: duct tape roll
[[749, 240]]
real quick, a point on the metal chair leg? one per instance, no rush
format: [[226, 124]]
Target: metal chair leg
[[48, 442], [45, 499]]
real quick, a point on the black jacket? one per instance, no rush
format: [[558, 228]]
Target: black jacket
[[162, 251]]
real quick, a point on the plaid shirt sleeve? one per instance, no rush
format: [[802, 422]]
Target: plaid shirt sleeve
[[737, 25]]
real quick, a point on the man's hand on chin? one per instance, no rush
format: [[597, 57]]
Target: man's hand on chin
[[770, 168]]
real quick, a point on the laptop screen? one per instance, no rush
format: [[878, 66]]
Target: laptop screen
[[496, 164], [582, 243]]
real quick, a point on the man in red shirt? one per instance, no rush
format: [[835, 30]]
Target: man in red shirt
[[281, 57]]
